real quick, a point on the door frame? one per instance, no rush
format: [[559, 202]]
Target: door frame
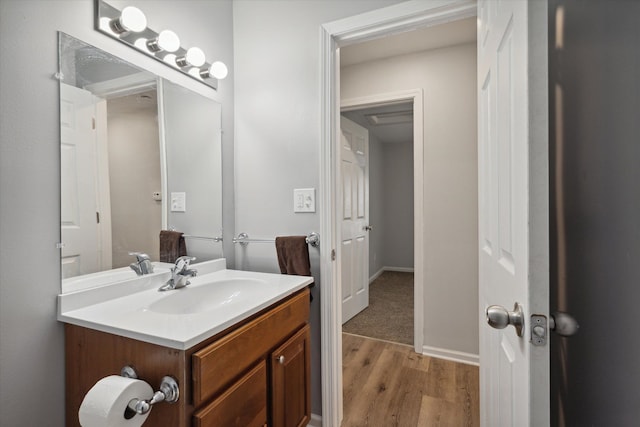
[[415, 96], [333, 35]]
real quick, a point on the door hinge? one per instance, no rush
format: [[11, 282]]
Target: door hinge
[[333, 254], [539, 330], [93, 123], [98, 217]]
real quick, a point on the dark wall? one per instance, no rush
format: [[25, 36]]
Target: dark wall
[[595, 210]]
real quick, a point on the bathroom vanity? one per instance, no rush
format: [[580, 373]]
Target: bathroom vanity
[[238, 344]]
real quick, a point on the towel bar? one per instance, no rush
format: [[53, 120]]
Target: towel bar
[[215, 239], [191, 236], [312, 239]]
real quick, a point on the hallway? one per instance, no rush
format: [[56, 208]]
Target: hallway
[[387, 384], [389, 315]]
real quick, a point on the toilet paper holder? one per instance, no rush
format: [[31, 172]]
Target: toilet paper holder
[[169, 392]]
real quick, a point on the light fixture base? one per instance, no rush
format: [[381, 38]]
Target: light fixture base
[[107, 14]]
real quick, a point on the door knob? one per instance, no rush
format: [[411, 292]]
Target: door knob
[[499, 317], [563, 324], [367, 227]]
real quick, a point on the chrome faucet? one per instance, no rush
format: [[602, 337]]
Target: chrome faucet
[[180, 274], [142, 265]]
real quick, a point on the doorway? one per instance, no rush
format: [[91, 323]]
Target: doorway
[[406, 100], [445, 181], [389, 314], [341, 33]]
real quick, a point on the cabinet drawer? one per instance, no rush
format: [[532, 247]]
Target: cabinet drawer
[[244, 404], [216, 365]]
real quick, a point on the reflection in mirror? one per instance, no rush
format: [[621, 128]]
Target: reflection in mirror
[[192, 131], [133, 173], [138, 154]]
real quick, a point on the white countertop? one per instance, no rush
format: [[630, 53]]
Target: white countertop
[[138, 310]]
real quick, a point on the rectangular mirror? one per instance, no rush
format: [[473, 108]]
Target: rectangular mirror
[[139, 154]]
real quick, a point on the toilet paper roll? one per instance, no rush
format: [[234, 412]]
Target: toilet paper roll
[[105, 404]]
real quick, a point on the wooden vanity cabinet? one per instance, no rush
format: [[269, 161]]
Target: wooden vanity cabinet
[[280, 339], [254, 374]]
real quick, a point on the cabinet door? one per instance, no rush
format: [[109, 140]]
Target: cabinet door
[[290, 381], [244, 404]]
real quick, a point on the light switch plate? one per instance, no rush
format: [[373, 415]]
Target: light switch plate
[[304, 200], [178, 201]]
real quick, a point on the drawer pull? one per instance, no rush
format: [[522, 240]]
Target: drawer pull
[[281, 360]]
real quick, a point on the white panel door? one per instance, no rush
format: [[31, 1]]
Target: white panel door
[[78, 182], [507, 374], [354, 248]]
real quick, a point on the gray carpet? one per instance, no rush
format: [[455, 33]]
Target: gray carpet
[[390, 313]]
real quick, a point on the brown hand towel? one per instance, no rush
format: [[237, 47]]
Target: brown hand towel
[[172, 245], [293, 255]]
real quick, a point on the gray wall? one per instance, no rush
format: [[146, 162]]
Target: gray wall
[[376, 205], [397, 205], [390, 205], [448, 79], [277, 45], [31, 340]]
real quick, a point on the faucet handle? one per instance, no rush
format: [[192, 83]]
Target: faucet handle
[[143, 263], [182, 263], [140, 256]]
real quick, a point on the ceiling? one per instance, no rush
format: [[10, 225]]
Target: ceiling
[[436, 37], [134, 103], [386, 133]]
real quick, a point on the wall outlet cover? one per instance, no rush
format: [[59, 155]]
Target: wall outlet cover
[[178, 201], [304, 200]]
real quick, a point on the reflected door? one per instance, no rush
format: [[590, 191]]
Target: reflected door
[[78, 182]]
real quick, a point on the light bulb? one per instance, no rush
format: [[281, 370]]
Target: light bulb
[[131, 20], [167, 41], [106, 26], [218, 70], [195, 72], [194, 57], [140, 43], [170, 59]]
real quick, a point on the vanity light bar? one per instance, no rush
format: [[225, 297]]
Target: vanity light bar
[[130, 27]]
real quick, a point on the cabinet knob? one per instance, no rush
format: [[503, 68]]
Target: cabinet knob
[[281, 360]]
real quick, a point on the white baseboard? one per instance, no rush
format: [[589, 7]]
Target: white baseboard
[[383, 269], [316, 421], [455, 356], [399, 269], [376, 275]]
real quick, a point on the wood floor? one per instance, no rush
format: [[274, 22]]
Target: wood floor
[[389, 385]]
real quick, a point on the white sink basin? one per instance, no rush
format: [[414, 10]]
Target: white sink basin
[[215, 300], [209, 296]]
